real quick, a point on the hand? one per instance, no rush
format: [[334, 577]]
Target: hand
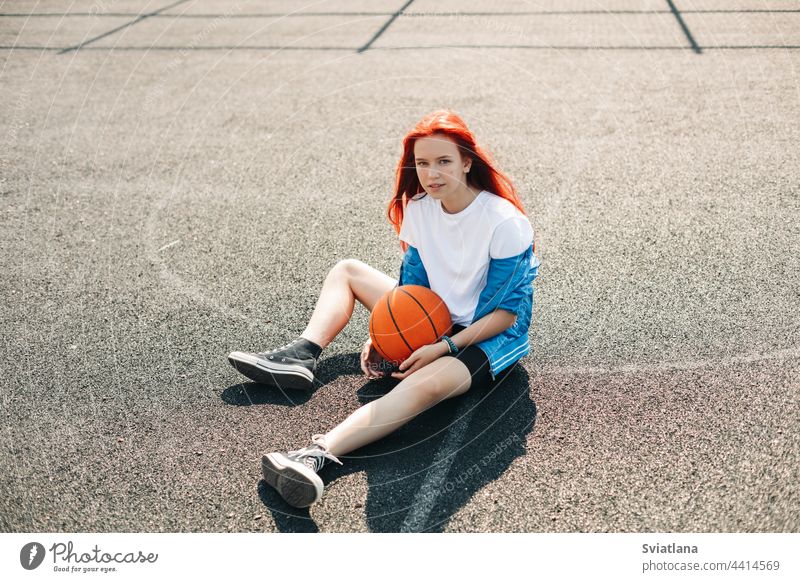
[[421, 358], [372, 364]]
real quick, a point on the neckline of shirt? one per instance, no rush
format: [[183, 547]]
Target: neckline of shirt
[[463, 212]]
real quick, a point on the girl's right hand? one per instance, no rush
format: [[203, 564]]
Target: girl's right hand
[[372, 363]]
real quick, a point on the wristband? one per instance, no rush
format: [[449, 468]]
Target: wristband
[[451, 344]]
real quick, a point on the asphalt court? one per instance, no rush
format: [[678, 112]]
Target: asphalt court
[[244, 25], [178, 178]]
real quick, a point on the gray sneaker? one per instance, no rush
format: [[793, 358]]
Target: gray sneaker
[[294, 474], [285, 367]]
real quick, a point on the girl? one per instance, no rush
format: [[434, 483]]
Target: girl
[[466, 236]]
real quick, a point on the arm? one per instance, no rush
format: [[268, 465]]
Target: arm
[[487, 326], [508, 283]]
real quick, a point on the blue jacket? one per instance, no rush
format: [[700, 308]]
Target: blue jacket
[[509, 286]]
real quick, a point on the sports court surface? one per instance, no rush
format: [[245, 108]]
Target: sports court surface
[[177, 178]]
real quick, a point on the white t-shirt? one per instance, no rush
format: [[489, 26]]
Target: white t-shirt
[[456, 248]]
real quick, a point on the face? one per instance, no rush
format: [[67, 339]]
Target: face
[[440, 168]]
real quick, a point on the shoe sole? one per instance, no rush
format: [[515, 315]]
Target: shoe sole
[[289, 376], [297, 484]]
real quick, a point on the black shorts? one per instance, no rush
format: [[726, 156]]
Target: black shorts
[[477, 362]]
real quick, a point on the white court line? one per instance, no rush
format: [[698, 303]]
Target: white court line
[[166, 246], [784, 354], [425, 499]]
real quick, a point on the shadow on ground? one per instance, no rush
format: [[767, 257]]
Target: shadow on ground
[[425, 472], [328, 370]]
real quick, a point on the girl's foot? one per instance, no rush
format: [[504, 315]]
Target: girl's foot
[[291, 366], [294, 474]]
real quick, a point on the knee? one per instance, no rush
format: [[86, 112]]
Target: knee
[[427, 391], [345, 268]]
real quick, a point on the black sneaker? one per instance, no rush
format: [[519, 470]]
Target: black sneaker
[[286, 367], [294, 474]]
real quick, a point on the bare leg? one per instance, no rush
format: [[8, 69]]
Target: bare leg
[[347, 281], [441, 379], [294, 475]]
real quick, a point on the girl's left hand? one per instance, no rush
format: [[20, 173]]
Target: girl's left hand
[[421, 358]]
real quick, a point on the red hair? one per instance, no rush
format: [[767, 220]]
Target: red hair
[[483, 173]]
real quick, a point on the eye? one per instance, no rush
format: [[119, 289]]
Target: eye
[[421, 163], [444, 161]]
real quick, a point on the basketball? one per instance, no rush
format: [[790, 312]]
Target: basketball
[[405, 319]]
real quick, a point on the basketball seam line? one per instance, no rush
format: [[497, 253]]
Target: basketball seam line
[[425, 311], [375, 337], [397, 327]]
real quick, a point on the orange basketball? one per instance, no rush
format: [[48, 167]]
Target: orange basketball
[[405, 319]]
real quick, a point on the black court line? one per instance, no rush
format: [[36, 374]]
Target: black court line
[[404, 48], [594, 48], [695, 47], [384, 27], [596, 12], [117, 29], [406, 14]]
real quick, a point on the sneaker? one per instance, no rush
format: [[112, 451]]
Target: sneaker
[[285, 367], [294, 474]]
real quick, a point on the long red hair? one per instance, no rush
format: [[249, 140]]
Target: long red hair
[[483, 173]]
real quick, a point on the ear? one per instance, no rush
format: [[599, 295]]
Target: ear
[[467, 165]]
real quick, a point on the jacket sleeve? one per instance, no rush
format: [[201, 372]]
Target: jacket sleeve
[[412, 271], [509, 285]]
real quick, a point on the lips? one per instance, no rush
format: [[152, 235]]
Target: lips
[[435, 185]]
